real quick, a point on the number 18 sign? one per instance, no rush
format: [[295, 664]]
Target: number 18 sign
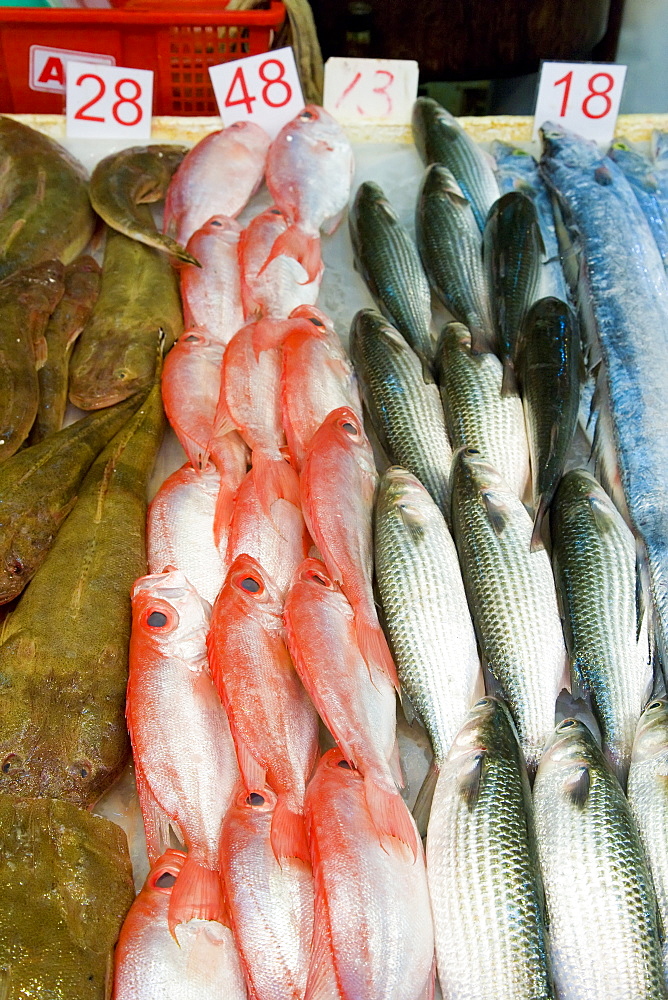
[[264, 89], [583, 97]]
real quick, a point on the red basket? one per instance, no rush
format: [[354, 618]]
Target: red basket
[[179, 48]]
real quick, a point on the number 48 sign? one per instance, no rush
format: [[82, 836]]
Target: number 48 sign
[[264, 89], [583, 97]]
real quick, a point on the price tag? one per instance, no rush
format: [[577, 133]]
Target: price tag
[[108, 102], [583, 97], [264, 89], [371, 89]]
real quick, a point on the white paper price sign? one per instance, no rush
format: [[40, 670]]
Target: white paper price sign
[[583, 97], [371, 89], [264, 89], [108, 102]]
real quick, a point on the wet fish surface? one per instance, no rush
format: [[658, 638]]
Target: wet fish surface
[[641, 174]]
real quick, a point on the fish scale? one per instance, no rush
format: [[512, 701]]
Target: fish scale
[[482, 867], [476, 414], [594, 557], [511, 595], [604, 935], [424, 606], [389, 263], [648, 798], [403, 402]]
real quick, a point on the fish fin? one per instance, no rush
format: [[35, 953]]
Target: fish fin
[[275, 479], [373, 647], [41, 352], [430, 985], [408, 708], [395, 765], [321, 982], [333, 223], [577, 786], [413, 523], [497, 511], [222, 517], [196, 452], [537, 533], [197, 893], [390, 814], [470, 778], [222, 421], [301, 247], [509, 380], [422, 806], [253, 774], [288, 833], [156, 820], [269, 333]]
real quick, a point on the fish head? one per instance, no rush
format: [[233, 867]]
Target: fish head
[[488, 727], [402, 493], [219, 227], [470, 465], [247, 806], [567, 148], [371, 199], [316, 317], [454, 337], [170, 617], [167, 155], [316, 127], [343, 427], [578, 489], [196, 343], [334, 767], [250, 141], [571, 757], [429, 116], [651, 739], [439, 182], [114, 371], [249, 584]]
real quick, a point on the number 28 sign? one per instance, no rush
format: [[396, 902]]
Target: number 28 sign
[[264, 89], [583, 97], [108, 102]]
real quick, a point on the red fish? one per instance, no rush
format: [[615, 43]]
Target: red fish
[[316, 378], [278, 539], [212, 293], [184, 755], [273, 928], [273, 722], [190, 390], [198, 962], [309, 172], [356, 702], [372, 913], [217, 177], [277, 287], [337, 485]]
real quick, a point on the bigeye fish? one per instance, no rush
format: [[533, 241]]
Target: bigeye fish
[[440, 138], [513, 250], [482, 866], [44, 196], [450, 246], [139, 175], [387, 259], [139, 296], [604, 923]]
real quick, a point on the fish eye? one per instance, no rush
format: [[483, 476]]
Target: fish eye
[[80, 769], [250, 585], [121, 373], [655, 705], [193, 338], [316, 322], [165, 881], [349, 428], [318, 579], [255, 799], [471, 451], [216, 222], [15, 566], [275, 211], [344, 763], [156, 619], [483, 701], [11, 762], [566, 724], [306, 116]]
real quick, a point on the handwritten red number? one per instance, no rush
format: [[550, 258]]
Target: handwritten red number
[[567, 80], [127, 100], [353, 83], [383, 90], [604, 93], [245, 98], [100, 94], [271, 81]]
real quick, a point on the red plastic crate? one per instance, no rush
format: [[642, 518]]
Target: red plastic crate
[[179, 47]]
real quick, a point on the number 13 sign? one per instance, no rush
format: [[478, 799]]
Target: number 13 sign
[[264, 89], [583, 97]]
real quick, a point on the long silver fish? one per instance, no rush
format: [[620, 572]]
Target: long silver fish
[[440, 138], [450, 246], [482, 867], [516, 170], [624, 297], [648, 798], [604, 927], [476, 414], [641, 174], [511, 595], [403, 402], [387, 259], [424, 607], [594, 558]]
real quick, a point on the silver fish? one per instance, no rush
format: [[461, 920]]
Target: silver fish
[[641, 174]]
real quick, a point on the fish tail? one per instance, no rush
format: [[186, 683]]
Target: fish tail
[[374, 648], [222, 517], [537, 533], [509, 380], [390, 814], [303, 248], [197, 893], [288, 833], [275, 479]]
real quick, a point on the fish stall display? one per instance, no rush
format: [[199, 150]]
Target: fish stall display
[[355, 665]]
